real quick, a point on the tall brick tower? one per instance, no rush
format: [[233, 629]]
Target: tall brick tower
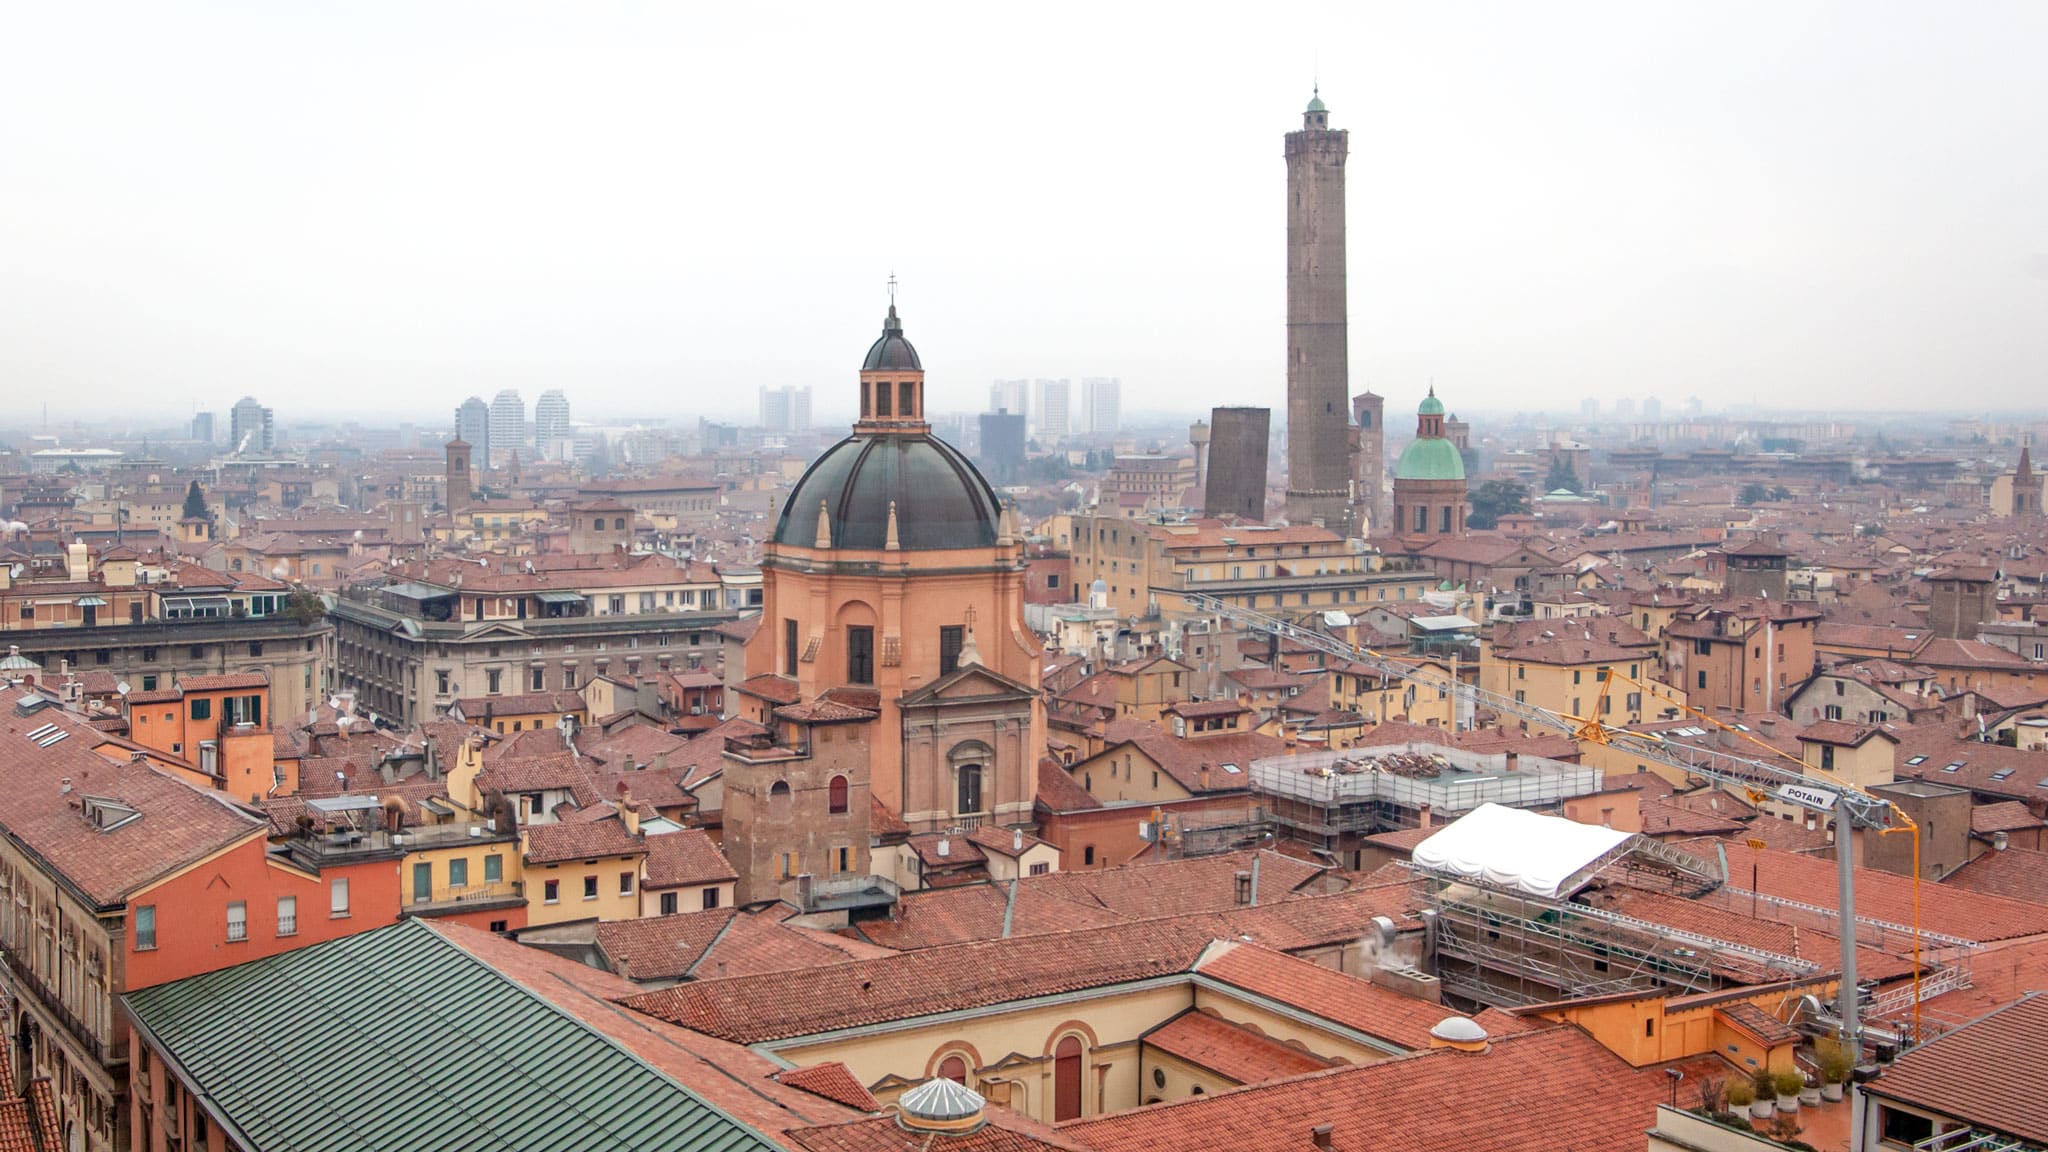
[[1319, 470]]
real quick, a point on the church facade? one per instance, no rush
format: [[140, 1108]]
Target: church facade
[[892, 622]]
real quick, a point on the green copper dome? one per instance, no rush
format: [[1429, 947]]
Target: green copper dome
[[1431, 406], [1315, 103], [1431, 459]]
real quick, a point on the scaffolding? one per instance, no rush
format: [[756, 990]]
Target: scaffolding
[[1363, 791]]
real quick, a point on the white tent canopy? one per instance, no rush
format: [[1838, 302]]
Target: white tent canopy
[[1517, 850]]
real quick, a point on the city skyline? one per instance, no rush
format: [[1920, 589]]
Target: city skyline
[[1757, 218]]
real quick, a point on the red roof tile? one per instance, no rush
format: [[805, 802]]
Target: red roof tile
[[676, 859], [583, 840], [1326, 992], [833, 1081], [1553, 1088], [1972, 1073], [2015, 873], [1233, 1051]]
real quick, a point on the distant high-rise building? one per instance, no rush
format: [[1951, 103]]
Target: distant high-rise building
[[1198, 436], [1102, 404], [1653, 409], [1589, 408], [551, 437], [249, 427], [508, 426], [473, 426], [1624, 409], [1237, 463], [1055, 418], [1002, 446], [202, 427], [786, 409], [1012, 396], [1319, 470]]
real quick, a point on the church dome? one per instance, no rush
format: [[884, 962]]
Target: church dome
[[1431, 406], [891, 353], [1430, 459], [941, 500]]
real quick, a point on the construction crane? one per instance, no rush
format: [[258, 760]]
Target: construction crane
[[1760, 779]]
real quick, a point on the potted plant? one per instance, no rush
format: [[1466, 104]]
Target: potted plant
[[1809, 1091], [1740, 1096], [1764, 1091], [1834, 1068], [1788, 1084]]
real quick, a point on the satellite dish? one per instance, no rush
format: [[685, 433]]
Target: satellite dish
[[122, 687]]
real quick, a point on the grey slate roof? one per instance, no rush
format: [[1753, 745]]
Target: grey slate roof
[[398, 1038]]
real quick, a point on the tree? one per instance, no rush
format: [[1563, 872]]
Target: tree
[[1495, 499], [1561, 476], [1781, 493], [1752, 493], [195, 502], [304, 606]]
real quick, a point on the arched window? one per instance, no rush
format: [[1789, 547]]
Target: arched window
[[836, 795], [778, 798], [1066, 1079], [955, 1069]]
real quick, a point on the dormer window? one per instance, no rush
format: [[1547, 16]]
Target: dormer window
[[107, 815]]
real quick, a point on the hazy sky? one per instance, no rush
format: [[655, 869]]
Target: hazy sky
[[384, 208]]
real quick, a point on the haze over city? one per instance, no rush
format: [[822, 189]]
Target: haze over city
[[388, 207]]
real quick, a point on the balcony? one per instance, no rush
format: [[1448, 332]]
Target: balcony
[[445, 901]]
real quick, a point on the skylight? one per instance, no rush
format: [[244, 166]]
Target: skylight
[[2002, 774], [1952, 765], [1910, 760]]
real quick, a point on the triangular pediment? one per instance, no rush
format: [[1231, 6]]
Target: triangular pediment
[[974, 682]]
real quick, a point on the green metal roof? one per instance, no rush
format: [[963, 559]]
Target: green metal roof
[[1430, 459], [398, 1038], [1431, 406]]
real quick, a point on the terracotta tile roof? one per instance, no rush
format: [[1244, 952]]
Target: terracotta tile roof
[[1326, 992], [1003, 1131], [1884, 896], [1240, 1054], [770, 687], [725, 942], [675, 859], [778, 1005], [1184, 757], [179, 824], [24, 1120], [584, 840], [2015, 873], [1844, 734], [1971, 1074], [2004, 816], [882, 822], [1553, 1088], [834, 1081], [1058, 791]]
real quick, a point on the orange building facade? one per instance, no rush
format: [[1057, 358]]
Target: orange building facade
[[896, 581]]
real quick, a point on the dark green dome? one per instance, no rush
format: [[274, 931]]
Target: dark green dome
[[891, 353], [941, 500]]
